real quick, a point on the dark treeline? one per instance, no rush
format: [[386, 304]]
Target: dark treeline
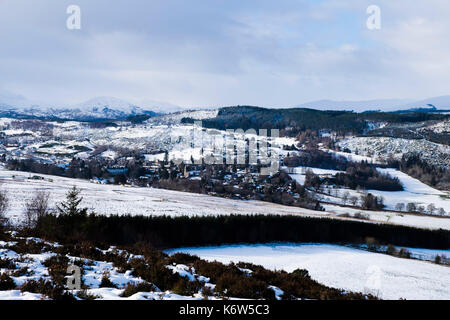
[[367, 177], [172, 232], [403, 117], [301, 119], [356, 175], [442, 137], [248, 117], [414, 166], [318, 159]]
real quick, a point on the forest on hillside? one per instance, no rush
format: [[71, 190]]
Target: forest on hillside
[[295, 120]]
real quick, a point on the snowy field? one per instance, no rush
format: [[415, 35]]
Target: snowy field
[[342, 267], [414, 191], [411, 220], [352, 156], [112, 199]]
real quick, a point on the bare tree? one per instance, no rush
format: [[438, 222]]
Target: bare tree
[[400, 206], [336, 193], [345, 197], [411, 207], [354, 200], [36, 208], [4, 204], [431, 208]]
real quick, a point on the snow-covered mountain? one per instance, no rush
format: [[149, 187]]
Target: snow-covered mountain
[[100, 107], [96, 108], [440, 103], [99, 103], [110, 108]]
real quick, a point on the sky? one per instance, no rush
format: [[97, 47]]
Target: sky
[[202, 53]]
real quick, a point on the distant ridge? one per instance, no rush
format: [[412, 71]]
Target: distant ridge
[[99, 108], [358, 106], [440, 103], [111, 108]]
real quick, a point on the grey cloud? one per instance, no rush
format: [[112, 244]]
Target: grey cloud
[[216, 52]]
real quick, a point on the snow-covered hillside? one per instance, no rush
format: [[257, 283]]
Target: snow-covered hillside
[[33, 267], [381, 148], [175, 118], [118, 200], [414, 191], [74, 138]]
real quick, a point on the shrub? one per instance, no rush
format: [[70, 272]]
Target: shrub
[[133, 288], [404, 253], [372, 243], [57, 269], [153, 270], [233, 285], [185, 287], [6, 282], [391, 250], [85, 295], [214, 270], [302, 273], [361, 216], [438, 259], [6, 263], [46, 288], [55, 260], [106, 282], [21, 272], [182, 258], [207, 292], [24, 246]]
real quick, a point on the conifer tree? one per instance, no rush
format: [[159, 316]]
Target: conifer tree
[[70, 207]]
